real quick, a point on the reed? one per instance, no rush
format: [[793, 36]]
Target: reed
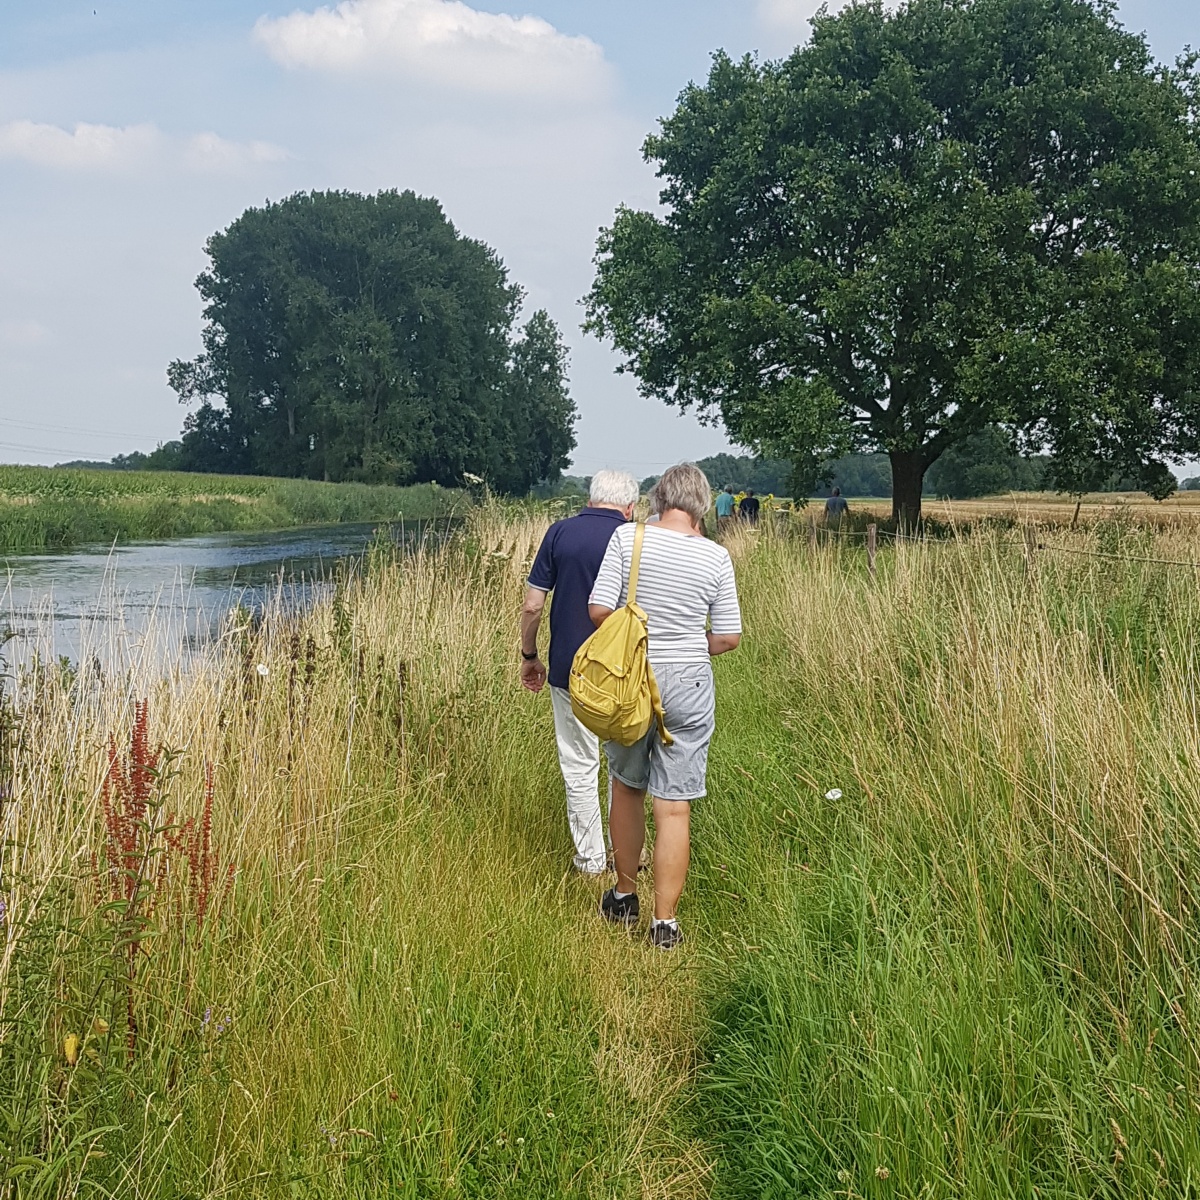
[[969, 974], [45, 508]]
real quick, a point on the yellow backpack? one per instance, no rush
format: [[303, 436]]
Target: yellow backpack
[[613, 689]]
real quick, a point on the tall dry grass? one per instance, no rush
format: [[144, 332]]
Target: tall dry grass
[[403, 991], [972, 971]]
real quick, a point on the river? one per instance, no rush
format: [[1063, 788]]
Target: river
[[103, 602]]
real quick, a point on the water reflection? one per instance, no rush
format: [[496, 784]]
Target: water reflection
[[105, 603]]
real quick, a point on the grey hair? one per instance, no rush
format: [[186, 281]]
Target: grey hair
[[613, 487], [682, 486]]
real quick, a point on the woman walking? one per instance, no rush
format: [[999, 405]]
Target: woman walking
[[686, 588]]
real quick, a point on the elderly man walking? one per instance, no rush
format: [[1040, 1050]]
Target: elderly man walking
[[567, 564]]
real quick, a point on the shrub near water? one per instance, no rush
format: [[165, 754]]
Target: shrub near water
[[45, 508], [968, 975]]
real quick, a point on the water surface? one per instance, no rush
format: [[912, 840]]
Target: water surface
[[102, 601]]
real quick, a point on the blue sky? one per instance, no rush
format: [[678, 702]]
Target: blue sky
[[132, 129]]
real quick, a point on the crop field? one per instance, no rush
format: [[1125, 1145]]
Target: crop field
[[51, 508], [1182, 510], [296, 919]]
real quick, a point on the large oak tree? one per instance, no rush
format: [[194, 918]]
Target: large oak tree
[[363, 337], [959, 215]]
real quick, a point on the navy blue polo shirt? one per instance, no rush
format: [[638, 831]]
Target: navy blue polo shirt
[[567, 564]]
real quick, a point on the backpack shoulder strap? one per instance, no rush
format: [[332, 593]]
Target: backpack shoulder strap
[[638, 537]]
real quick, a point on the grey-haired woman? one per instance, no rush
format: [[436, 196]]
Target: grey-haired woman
[[686, 588]]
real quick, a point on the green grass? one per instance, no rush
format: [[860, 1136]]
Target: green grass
[[50, 508], [971, 975]]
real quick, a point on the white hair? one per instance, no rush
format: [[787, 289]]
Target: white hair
[[618, 488]]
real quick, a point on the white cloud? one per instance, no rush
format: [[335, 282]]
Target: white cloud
[[113, 147], [207, 152], [87, 146], [23, 334], [440, 41]]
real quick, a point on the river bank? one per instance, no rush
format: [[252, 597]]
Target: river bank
[[53, 508]]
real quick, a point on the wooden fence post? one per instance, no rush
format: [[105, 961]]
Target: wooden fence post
[[1030, 548], [871, 531], [812, 530]]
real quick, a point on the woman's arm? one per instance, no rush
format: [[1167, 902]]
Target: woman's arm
[[599, 614], [721, 643], [725, 614]]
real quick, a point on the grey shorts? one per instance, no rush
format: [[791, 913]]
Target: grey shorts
[[674, 772]]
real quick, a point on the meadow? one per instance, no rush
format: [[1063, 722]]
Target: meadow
[[55, 508], [294, 918]]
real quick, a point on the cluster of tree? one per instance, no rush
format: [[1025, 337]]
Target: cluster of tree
[[565, 486], [362, 337], [855, 475], [987, 464], [765, 476], [166, 456], [925, 223]]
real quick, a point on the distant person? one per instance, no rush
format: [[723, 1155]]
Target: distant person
[[566, 564], [835, 508], [725, 506], [748, 509], [687, 590]]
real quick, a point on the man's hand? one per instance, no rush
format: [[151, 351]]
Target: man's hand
[[533, 675]]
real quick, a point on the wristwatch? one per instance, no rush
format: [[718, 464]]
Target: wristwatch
[[529, 657]]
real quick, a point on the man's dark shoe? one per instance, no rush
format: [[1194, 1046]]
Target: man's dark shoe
[[665, 937], [624, 911]]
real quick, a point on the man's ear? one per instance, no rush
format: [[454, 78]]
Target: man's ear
[[629, 511]]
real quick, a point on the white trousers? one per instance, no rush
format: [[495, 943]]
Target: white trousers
[[579, 759]]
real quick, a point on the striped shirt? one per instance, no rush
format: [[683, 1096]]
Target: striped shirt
[[684, 584]]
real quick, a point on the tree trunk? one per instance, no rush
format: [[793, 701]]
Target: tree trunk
[[908, 477]]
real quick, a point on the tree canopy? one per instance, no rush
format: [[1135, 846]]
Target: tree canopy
[[924, 223], [363, 337]]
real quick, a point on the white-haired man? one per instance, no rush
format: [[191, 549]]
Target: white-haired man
[[567, 564]]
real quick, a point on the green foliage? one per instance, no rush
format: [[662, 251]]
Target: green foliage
[[857, 475], [44, 508], [363, 338], [166, 456], [765, 476], [921, 224], [985, 464]]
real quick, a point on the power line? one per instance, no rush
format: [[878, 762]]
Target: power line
[[40, 428]]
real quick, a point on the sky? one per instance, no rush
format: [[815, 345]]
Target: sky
[[131, 130]]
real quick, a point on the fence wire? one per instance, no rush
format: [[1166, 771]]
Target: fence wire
[[826, 534]]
